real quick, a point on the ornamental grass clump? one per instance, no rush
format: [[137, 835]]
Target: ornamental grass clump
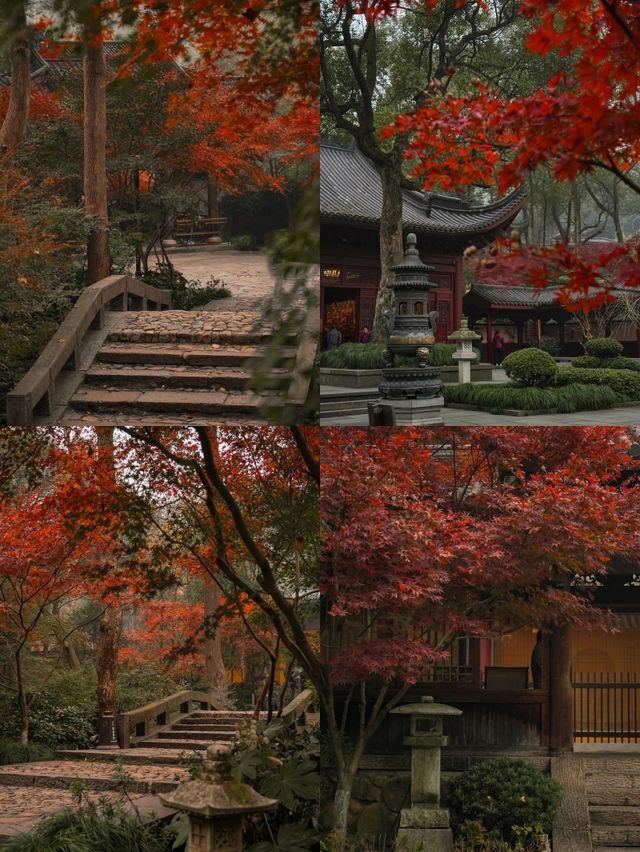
[[531, 367], [498, 398], [626, 383], [505, 796]]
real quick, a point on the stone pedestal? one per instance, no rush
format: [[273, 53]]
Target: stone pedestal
[[464, 353], [425, 826], [416, 411]]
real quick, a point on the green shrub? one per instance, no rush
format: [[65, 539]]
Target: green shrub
[[139, 685], [242, 242], [70, 726], [548, 344], [91, 828], [586, 361], [13, 751], [368, 356], [626, 383], [603, 347], [185, 294], [503, 794], [50, 723], [497, 398], [531, 367], [621, 363]]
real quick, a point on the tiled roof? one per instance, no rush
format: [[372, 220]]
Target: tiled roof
[[350, 191], [68, 61], [522, 297], [528, 297]]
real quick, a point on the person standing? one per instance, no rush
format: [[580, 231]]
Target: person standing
[[365, 336], [334, 338], [536, 662], [497, 344]]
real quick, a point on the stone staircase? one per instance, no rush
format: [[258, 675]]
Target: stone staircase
[[156, 765], [613, 793], [192, 365]]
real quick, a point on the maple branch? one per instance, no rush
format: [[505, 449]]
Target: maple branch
[[626, 29], [312, 463]]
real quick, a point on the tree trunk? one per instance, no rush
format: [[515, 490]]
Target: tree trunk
[[391, 240], [216, 673], [341, 809], [560, 690], [107, 661], [22, 698], [95, 158], [213, 208], [14, 125]]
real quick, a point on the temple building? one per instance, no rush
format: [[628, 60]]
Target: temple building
[[350, 211]]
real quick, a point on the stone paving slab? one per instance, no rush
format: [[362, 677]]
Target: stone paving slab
[[183, 400], [100, 775], [129, 756], [190, 327], [20, 809]]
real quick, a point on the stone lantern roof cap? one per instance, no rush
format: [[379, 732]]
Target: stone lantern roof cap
[[228, 798], [427, 707], [464, 332], [412, 261]]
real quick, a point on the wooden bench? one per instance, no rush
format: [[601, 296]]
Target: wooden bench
[[197, 230]]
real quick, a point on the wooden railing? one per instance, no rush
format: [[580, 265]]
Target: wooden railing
[[292, 714], [35, 393], [198, 230], [605, 707], [136, 725]]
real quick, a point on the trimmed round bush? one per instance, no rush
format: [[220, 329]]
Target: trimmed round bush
[[504, 794], [621, 363], [586, 361], [603, 347], [626, 383], [531, 367]]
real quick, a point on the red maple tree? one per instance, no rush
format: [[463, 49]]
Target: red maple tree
[[582, 119], [441, 533]]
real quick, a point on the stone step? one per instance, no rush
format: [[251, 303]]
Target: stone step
[[176, 743], [181, 401], [187, 354], [145, 376], [134, 756], [204, 725], [619, 815], [615, 835], [616, 848], [228, 715], [599, 794], [97, 775], [197, 734], [199, 327]]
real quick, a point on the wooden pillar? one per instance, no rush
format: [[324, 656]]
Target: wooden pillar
[[458, 293], [560, 691], [520, 334], [213, 210]]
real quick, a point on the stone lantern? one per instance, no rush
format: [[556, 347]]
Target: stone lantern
[[216, 805], [426, 825], [464, 353], [414, 392]]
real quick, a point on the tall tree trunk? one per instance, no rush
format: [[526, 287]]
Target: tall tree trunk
[[22, 698], [107, 661], [14, 125], [95, 157], [391, 240], [216, 673], [110, 624]]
